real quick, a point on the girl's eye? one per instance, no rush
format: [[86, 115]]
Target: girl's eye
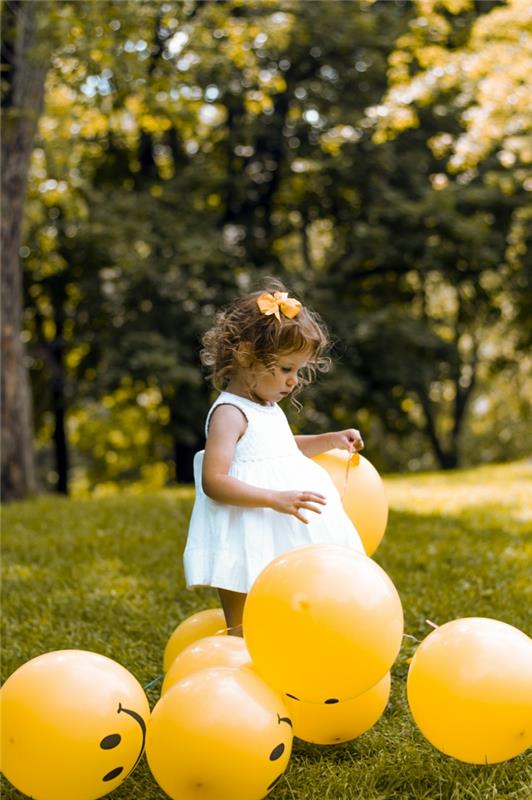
[[286, 369]]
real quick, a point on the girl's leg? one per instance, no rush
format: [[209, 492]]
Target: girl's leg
[[233, 606]]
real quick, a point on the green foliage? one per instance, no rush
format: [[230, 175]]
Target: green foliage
[[457, 545], [187, 149]]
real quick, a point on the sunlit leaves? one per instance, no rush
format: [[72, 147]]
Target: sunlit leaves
[[488, 74], [121, 438], [187, 148]]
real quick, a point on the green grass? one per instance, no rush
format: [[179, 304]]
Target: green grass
[[106, 575]]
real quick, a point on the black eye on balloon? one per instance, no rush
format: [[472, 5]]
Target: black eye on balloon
[[277, 752], [108, 742], [331, 701]]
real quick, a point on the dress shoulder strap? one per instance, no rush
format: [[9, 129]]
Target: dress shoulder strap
[[227, 399]]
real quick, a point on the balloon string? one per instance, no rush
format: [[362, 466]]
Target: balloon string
[[288, 784], [350, 462], [155, 680], [346, 478], [228, 630], [432, 624], [237, 629]]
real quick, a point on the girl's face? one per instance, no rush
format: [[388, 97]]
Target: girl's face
[[270, 386]]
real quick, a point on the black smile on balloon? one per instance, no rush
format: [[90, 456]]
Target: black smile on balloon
[[284, 719], [113, 740], [273, 783]]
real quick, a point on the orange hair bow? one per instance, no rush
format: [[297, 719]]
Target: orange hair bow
[[278, 301]]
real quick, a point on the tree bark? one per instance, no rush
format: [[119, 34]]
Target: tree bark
[[447, 458], [183, 458], [24, 73], [59, 407]]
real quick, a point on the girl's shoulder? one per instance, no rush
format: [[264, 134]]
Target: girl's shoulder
[[226, 416]]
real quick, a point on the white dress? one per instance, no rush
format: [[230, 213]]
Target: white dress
[[228, 546]]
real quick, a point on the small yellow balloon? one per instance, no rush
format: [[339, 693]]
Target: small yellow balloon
[[220, 733], [362, 494], [211, 651], [469, 689], [326, 723], [73, 725], [210, 622], [323, 622]]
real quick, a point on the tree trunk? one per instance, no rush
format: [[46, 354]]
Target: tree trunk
[[447, 457], [184, 457], [24, 75], [59, 407]]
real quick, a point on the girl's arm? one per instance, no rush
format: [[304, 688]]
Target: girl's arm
[[312, 445], [227, 425]]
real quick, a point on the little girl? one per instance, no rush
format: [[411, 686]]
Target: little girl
[[258, 493]]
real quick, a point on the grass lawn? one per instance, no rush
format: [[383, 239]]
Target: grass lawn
[[106, 575]]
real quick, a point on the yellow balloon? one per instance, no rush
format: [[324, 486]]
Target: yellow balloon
[[220, 733], [73, 725], [469, 689], [332, 723], [363, 495], [323, 622], [210, 622], [211, 651]]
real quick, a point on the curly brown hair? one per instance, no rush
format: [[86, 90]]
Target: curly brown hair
[[244, 338]]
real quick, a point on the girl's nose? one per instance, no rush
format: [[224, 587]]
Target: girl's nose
[[293, 380]]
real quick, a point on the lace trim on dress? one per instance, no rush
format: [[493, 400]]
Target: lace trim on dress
[[252, 403]]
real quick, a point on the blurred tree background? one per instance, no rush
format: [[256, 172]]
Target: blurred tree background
[[373, 154]]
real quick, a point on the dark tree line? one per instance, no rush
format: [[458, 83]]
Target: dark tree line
[[216, 143]]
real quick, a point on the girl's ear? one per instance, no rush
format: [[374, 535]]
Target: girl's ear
[[244, 355]]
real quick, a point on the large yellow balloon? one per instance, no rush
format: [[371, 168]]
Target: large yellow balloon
[[219, 734], [204, 623], [363, 495], [332, 723], [73, 725], [211, 651], [470, 690], [323, 622]]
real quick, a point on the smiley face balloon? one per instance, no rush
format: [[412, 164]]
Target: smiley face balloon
[[323, 623], [469, 689], [219, 734], [73, 725]]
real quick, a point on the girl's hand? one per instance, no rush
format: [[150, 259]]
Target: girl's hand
[[293, 502], [349, 439]]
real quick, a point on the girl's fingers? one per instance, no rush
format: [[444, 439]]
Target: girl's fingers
[[314, 497], [310, 507], [354, 441], [308, 501]]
